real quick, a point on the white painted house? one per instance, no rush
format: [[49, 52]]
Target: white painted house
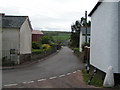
[[105, 36], [82, 36], [0, 39], [16, 36]]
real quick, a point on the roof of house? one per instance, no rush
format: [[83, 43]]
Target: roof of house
[[84, 30], [37, 32], [13, 21], [95, 8]]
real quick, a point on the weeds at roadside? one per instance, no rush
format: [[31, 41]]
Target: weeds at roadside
[[96, 81]]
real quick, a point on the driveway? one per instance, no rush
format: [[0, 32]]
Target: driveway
[[59, 64]]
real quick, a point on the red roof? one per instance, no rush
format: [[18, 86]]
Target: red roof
[[37, 32]]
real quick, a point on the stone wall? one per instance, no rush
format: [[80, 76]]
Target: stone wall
[[25, 57], [41, 55]]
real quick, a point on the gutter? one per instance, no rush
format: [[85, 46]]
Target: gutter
[[95, 8]]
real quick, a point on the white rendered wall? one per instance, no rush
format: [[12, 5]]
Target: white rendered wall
[[10, 39], [104, 37], [0, 43], [80, 42], [83, 38], [119, 37], [1, 52], [0, 39], [25, 38]]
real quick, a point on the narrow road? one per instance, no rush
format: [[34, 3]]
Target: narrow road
[[63, 62]]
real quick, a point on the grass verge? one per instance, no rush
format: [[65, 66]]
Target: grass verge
[[96, 81]]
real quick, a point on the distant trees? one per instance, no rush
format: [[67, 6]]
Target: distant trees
[[75, 31]]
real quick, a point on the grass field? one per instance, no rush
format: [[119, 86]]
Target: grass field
[[57, 35]]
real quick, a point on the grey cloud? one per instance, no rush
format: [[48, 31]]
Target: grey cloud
[[66, 18]]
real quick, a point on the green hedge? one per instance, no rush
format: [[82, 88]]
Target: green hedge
[[36, 45], [76, 49], [38, 51]]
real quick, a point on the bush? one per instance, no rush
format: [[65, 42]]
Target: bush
[[38, 51], [76, 49], [35, 45], [46, 46], [46, 40]]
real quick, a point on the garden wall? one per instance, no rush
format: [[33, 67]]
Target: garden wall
[[35, 56]]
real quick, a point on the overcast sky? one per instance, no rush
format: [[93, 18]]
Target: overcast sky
[[53, 15]]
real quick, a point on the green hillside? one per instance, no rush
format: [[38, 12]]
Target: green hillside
[[57, 35]]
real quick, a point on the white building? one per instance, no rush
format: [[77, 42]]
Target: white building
[[16, 36], [105, 36], [0, 39], [82, 36]]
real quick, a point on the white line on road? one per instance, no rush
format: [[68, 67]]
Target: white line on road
[[30, 82], [61, 75], [68, 73], [52, 77], [79, 70], [11, 85], [24, 82], [74, 72], [41, 80]]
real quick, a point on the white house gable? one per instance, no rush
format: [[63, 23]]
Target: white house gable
[[104, 36], [25, 37], [10, 39], [0, 39], [16, 34], [119, 36]]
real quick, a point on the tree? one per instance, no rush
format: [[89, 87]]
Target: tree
[[46, 40], [35, 45], [75, 31], [89, 23]]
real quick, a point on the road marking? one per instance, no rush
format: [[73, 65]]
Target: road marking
[[52, 77], [61, 75], [30, 82], [74, 72], [24, 82], [11, 85], [41, 80], [68, 73], [79, 70]]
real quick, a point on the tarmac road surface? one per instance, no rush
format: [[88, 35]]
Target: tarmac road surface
[[59, 64]]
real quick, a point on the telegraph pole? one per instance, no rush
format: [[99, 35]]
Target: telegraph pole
[[87, 54], [86, 26]]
